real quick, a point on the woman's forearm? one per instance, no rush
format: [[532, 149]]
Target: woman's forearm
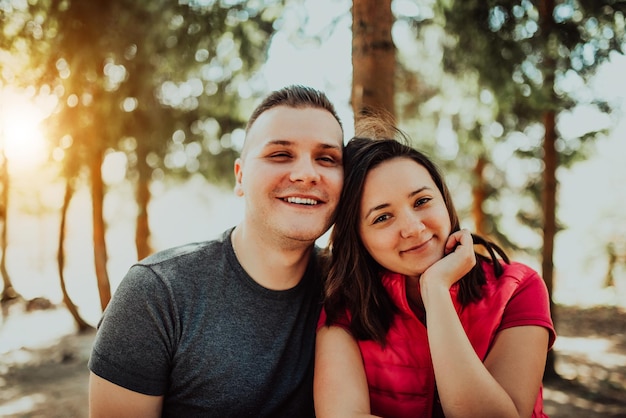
[[465, 386]]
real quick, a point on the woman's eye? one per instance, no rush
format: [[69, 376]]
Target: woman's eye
[[381, 218], [422, 201]]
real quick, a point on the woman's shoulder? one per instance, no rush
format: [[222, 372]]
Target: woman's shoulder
[[512, 271], [516, 277]]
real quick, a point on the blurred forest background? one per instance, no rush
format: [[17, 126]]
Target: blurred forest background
[[120, 121]]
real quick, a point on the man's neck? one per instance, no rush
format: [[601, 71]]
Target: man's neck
[[272, 264]]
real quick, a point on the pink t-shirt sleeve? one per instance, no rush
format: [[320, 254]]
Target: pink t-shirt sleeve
[[530, 305]]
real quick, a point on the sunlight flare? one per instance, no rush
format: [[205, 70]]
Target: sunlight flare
[[21, 137]]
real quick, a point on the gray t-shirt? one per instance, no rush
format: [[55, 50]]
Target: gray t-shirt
[[190, 324]]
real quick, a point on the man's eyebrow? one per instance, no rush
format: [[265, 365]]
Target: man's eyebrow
[[289, 143], [326, 145], [281, 142]]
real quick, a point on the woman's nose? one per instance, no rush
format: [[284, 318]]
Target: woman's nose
[[411, 225]]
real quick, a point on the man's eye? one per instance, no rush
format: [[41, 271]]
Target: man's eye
[[280, 155], [328, 160]]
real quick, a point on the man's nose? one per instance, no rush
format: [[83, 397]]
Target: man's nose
[[305, 170]]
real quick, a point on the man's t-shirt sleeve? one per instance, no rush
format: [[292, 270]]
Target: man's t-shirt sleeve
[[134, 338]]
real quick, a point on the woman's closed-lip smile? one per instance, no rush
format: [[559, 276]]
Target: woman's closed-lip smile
[[417, 247]]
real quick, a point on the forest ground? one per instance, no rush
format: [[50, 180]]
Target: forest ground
[[50, 381]]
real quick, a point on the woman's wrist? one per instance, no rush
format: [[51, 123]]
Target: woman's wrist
[[433, 290]]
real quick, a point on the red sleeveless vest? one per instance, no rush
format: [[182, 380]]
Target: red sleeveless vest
[[400, 376]]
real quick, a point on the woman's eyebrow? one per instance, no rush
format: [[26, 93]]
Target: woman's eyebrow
[[385, 205], [420, 190], [375, 208]]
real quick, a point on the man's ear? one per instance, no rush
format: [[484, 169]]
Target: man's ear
[[238, 177]]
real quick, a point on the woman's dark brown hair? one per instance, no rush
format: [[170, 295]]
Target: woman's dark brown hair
[[354, 279]]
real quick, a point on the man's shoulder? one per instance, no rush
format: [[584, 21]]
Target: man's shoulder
[[189, 252]]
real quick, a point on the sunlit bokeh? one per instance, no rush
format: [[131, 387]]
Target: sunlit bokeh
[[21, 136], [591, 196]]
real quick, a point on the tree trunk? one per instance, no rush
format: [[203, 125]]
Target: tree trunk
[[80, 322], [373, 57], [142, 231], [99, 228], [8, 291], [551, 161], [479, 194], [609, 280]]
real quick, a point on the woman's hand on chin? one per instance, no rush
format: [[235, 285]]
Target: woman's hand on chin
[[458, 260]]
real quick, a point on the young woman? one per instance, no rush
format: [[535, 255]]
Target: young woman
[[415, 322]]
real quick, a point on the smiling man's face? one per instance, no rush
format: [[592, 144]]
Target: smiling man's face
[[290, 172]]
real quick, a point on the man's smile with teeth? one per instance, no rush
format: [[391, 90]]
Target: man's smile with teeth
[[301, 201]]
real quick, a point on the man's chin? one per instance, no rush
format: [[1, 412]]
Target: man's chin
[[304, 234]]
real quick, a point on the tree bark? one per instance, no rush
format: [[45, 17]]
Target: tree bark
[[479, 194], [551, 161], [8, 291], [373, 58], [142, 231], [67, 300], [99, 228]]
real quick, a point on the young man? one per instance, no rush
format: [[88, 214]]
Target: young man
[[226, 328]]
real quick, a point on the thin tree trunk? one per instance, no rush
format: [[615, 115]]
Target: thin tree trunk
[[99, 228], [551, 161], [8, 291], [609, 280], [373, 57], [142, 231], [80, 322], [479, 194]]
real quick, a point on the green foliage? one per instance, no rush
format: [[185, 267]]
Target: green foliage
[[129, 75], [505, 68]]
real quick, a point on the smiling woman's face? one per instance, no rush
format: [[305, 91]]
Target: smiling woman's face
[[404, 222]]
